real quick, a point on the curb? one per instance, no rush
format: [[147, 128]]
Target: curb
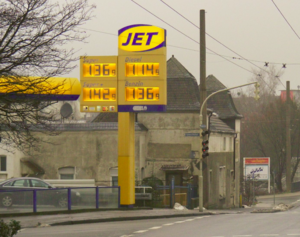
[[46, 213], [114, 219], [265, 211], [130, 218]]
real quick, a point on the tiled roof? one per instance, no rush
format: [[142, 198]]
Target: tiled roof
[[183, 94], [221, 103], [89, 127], [217, 125], [106, 117], [182, 88], [176, 70]]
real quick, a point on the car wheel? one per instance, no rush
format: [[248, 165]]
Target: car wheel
[[62, 201], [6, 200]]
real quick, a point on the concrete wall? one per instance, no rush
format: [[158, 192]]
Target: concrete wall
[[92, 153], [221, 198]]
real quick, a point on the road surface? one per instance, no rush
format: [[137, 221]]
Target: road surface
[[230, 225]]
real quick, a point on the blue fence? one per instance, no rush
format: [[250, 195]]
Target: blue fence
[[59, 199]]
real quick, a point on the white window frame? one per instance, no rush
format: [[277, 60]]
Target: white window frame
[[113, 171], [66, 167]]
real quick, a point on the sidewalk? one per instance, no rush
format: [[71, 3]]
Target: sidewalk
[[280, 195], [31, 221], [108, 216], [267, 201]]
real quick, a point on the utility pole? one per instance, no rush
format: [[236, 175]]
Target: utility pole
[[288, 139], [202, 98]]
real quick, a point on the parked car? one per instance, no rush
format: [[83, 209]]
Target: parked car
[[11, 193]]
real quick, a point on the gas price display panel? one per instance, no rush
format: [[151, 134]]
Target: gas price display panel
[[142, 81], [99, 94], [142, 69], [99, 83], [142, 93], [99, 70]]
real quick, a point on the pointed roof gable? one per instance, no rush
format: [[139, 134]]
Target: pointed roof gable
[[213, 84], [182, 88], [176, 70], [221, 103]]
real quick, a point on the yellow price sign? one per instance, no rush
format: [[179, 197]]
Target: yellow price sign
[[99, 94], [142, 69], [142, 93], [99, 70]]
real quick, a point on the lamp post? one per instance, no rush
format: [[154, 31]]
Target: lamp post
[[202, 127]]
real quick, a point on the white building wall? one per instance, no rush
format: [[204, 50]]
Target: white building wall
[[216, 142], [13, 168]]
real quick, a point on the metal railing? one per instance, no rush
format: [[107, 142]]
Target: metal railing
[[59, 199]]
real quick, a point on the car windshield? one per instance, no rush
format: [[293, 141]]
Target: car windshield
[[4, 181]]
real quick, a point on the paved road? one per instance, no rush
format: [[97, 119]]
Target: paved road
[[231, 225]]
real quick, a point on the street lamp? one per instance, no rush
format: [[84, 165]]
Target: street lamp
[[202, 127]]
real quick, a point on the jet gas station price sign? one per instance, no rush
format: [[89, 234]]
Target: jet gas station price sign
[[133, 81], [98, 78], [142, 76]]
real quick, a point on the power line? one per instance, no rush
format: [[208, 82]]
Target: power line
[[189, 36], [285, 19], [107, 33], [197, 50], [216, 39]]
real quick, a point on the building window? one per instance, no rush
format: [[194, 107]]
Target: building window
[[3, 163], [231, 144], [222, 182], [66, 173], [114, 181], [113, 171], [224, 143]]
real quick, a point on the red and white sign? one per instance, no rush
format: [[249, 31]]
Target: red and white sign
[[256, 161], [257, 168]]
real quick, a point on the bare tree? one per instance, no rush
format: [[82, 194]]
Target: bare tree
[[34, 46], [263, 127]]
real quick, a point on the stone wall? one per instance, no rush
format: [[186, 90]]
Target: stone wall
[[92, 153]]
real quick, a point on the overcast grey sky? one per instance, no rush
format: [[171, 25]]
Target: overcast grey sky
[[252, 28]]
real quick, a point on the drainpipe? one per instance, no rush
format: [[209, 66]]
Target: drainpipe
[[210, 114]]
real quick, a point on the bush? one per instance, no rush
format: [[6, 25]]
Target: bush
[[9, 230], [152, 181]]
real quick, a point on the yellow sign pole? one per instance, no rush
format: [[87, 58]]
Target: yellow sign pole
[[134, 81], [126, 158]]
